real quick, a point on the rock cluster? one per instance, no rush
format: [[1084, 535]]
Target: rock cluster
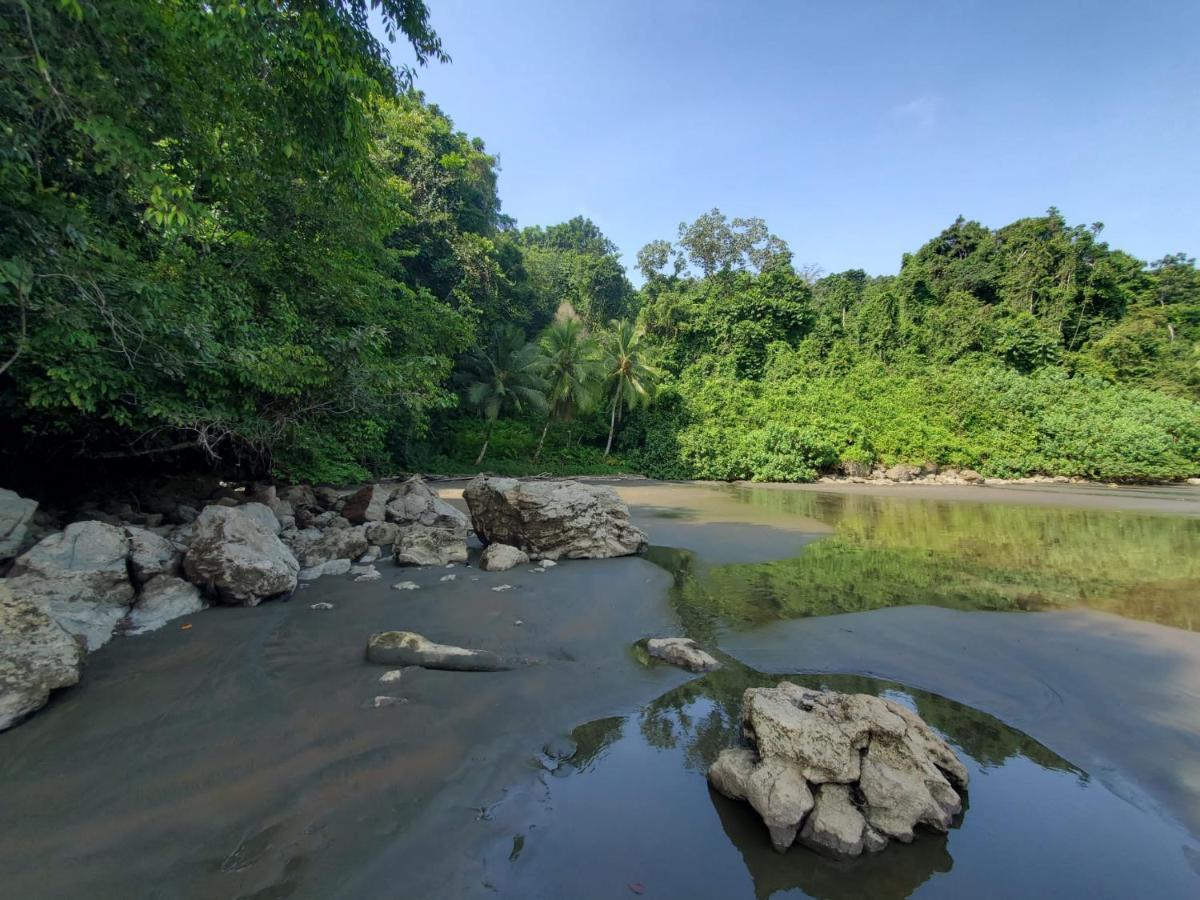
[[840, 773], [553, 519]]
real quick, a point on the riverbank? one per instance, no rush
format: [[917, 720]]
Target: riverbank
[[245, 756]]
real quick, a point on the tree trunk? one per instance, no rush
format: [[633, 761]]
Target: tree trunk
[[487, 438], [612, 423], [537, 454]]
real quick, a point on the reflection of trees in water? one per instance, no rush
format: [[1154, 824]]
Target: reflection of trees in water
[[592, 738], [892, 552], [703, 716]]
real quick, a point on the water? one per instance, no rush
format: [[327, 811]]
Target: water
[[630, 813], [877, 552]]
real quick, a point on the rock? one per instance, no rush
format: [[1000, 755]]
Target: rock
[[300, 496], [391, 675], [836, 826], [237, 558], [370, 556], [314, 547], [328, 497], [186, 514], [902, 472], [446, 578], [16, 514], [406, 586], [418, 545], [151, 555], [547, 563], [330, 567], [553, 519], [368, 504], [414, 503], [501, 558], [262, 514], [682, 652], [365, 573], [406, 648], [970, 476], [382, 534], [321, 605], [36, 657], [876, 768], [780, 794], [502, 587], [78, 576], [163, 598], [382, 702]]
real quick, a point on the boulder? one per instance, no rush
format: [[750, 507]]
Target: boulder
[[300, 496], [553, 519], [263, 515], [872, 769], [368, 504], [151, 555], [329, 497], [382, 534], [902, 472], [163, 598], [407, 648], [682, 652], [78, 576], [414, 503], [36, 657], [16, 513], [417, 545], [314, 547], [236, 558], [501, 558]]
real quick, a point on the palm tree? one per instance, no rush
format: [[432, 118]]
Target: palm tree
[[503, 378], [571, 368], [630, 376]]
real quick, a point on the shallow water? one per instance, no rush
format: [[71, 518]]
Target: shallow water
[[873, 552], [630, 813]]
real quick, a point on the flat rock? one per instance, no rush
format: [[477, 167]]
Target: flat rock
[[501, 558], [553, 519], [682, 652], [407, 648], [37, 656]]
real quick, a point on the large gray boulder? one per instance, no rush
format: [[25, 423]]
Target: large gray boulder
[[151, 555], [16, 514], [871, 769], [79, 577], [368, 504], [237, 559], [36, 657], [414, 503], [418, 545], [163, 598], [314, 547], [553, 519]]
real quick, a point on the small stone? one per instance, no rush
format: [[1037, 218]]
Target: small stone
[[502, 587], [518, 622], [406, 586], [391, 675], [448, 578], [537, 569], [501, 557], [321, 605], [547, 563], [369, 557], [381, 702], [365, 573]]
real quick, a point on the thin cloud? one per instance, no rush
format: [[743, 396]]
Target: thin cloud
[[920, 112]]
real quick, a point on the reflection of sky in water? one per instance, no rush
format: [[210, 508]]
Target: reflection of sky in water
[[893, 551], [636, 810]]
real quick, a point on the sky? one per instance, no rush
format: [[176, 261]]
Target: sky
[[857, 130]]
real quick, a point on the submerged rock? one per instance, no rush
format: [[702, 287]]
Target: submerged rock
[[36, 656], [683, 652], [79, 577], [501, 558], [877, 770], [419, 545], [407, 648], [238, 558], [553, 519]]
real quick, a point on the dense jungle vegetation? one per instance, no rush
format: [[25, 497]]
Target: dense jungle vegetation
[[234, 234]]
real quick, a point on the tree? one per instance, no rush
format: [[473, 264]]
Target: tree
[[571, 369], [630, 376], [503, 378], [714, 244]]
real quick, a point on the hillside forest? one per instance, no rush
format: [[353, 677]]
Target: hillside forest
[[236, 236]]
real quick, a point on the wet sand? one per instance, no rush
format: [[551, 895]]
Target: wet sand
[[244, 757]]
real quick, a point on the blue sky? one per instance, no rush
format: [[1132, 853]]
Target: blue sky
[[856, 129]]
